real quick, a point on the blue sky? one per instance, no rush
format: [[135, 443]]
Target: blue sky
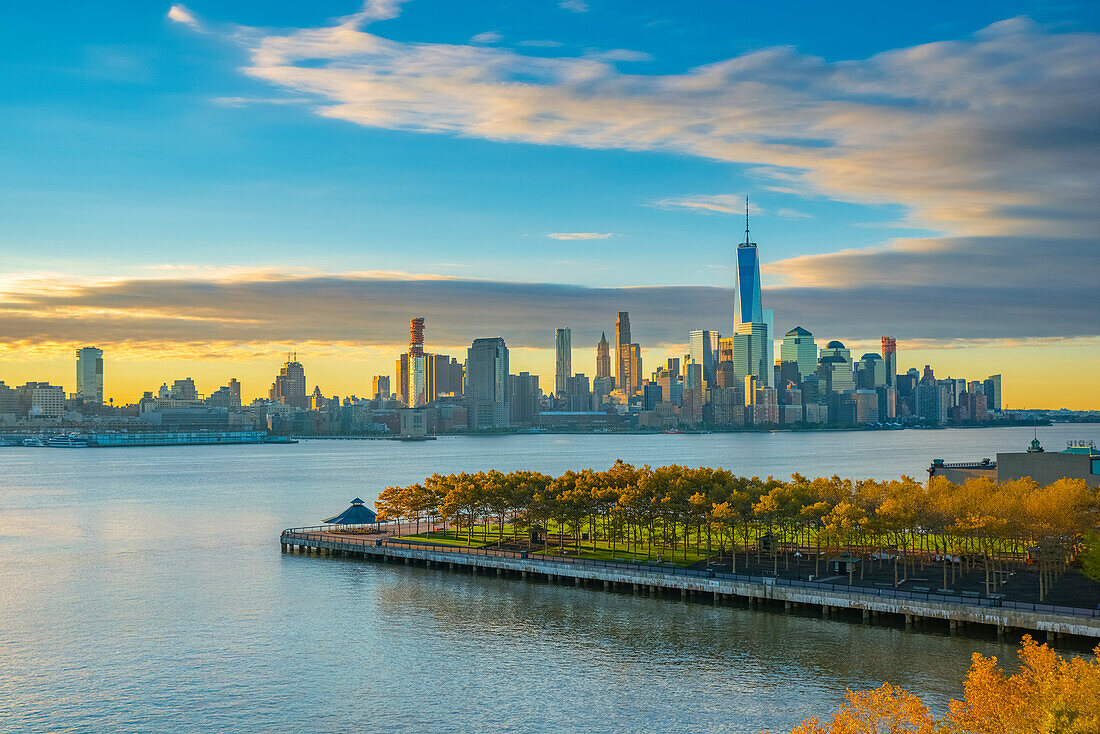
[[118, 153], [886, 147]]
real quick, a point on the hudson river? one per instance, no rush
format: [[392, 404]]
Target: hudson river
[[144, 590]]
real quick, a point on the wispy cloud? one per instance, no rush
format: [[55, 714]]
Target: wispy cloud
[[246, 101], [792, 214], [540, 43], [580, 235], [486, 37], [575, 6], [620, 54], [720, 203]]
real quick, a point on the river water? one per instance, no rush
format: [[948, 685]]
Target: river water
[[144, 590]]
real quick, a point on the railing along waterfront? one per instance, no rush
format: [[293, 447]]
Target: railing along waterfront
[[325, 533]]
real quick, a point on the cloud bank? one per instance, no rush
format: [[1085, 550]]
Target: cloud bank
[[243, 313]]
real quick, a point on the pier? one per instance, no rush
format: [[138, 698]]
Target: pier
[[888, 606]]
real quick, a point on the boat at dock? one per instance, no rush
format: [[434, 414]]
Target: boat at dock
[[67, 441]]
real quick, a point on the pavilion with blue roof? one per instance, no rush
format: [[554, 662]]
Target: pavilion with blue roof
[[357, 514]]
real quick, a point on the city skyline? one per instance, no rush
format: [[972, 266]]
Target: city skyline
[[486, 209]]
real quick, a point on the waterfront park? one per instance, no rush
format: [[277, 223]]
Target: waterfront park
[[1017, 540]]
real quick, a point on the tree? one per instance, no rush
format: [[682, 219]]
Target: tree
[[1090, 557], [1051, 694]]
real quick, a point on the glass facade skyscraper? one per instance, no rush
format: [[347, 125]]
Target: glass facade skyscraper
[[799, 347], [487, 384], [702, 345], [89, 374], [751, 322], [747, 307]]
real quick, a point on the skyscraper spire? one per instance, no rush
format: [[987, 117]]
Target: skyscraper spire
[[747, 240]]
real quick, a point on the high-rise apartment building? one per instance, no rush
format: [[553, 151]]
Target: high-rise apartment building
[[487, 384], [633, 372], [418, 380], [603, 357], [415, 366], [890, 357], [563, 360], [89, 375], [401, 370], [799, 349]]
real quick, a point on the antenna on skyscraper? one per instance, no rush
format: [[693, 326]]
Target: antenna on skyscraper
[[747, 220]]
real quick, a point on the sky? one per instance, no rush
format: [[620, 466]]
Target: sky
[[200, 188]]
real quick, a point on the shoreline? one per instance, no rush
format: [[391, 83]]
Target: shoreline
[[921, 612]]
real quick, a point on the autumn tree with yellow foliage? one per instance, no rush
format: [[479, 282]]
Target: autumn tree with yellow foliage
[[666, 511]]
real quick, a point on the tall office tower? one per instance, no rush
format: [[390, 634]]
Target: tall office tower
[[290, 385], [89, 374], [622, 339], [603, 357], [487, 384], [870, 372], [380, 387], [748, 307], [992, 386], [523, 398], [750, 352], [702, 345], [799, 347], [725, 349], [835, 368], [563, 360], [691, 401], [890, 357]]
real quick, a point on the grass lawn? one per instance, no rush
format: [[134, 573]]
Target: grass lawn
[[449, 538], [601, 550]]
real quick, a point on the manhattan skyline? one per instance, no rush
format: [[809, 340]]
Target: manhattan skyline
[[207, 186]]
